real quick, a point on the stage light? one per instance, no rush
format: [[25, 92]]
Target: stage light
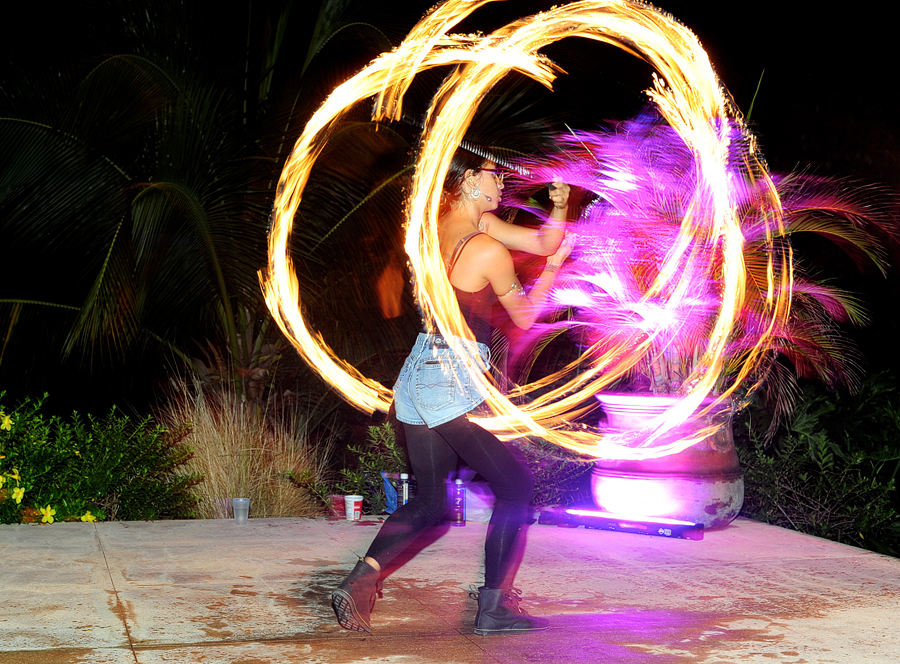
[[627, 523]]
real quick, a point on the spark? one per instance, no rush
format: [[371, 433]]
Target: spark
[[689, 97]]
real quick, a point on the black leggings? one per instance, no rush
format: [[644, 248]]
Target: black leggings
[[433, 454]]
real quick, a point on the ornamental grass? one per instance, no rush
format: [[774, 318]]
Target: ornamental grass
[[243, 452]]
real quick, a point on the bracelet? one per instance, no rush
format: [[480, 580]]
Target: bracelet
[[551, 268], [515, 288]]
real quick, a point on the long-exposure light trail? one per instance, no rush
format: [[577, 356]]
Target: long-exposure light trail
[[688, 95]]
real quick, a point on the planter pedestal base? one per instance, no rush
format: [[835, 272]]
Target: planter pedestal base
[[702, 484]]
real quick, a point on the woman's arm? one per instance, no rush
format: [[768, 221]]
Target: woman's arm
[[542, 241], [523, 307]]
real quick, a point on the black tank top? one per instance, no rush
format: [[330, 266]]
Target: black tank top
[[476, 307]]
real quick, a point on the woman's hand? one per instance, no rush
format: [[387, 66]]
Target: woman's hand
[[565, 248], [559, 194]]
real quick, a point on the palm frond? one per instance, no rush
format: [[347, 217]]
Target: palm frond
[[107, 323], [838, 304], [32, 333]]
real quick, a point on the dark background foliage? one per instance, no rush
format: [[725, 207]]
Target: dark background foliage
[[210, 98]]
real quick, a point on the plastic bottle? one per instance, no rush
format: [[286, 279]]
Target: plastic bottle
[[457, 503], [403, 489]]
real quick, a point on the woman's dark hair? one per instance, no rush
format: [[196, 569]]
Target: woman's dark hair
[[463, 161]]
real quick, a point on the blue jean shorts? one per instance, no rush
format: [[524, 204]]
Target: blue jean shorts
[[434, 385]]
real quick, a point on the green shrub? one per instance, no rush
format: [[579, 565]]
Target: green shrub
[[380, 452], [560, 476], [88, 468], [831, 470]]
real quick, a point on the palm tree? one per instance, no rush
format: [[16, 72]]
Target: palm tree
[[137, 186]]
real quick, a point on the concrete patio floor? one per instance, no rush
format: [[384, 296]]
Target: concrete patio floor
[[213, 591]]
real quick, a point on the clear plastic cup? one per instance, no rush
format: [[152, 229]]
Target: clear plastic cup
[[241, 508]]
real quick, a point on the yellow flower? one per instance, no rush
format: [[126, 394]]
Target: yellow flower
[[14, 474], [88, 517], [2, 481], [48, 513], [17, 494], [5, 421]]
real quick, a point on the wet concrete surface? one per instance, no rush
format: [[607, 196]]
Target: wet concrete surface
[[212, 591]]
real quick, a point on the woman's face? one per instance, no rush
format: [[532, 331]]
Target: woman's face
[[491, 183]]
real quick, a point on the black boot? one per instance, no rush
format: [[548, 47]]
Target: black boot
[[354, 599], [499, 613]]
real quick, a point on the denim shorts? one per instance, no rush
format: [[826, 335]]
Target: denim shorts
[[434, 385]]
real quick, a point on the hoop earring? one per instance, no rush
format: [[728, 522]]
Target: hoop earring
[[476, 192]]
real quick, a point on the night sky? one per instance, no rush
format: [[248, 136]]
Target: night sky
[[827, 99]]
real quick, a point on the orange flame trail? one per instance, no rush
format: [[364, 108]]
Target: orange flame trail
[[688, 95]]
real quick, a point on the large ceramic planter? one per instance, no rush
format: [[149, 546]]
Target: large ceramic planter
[[702, 484]]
